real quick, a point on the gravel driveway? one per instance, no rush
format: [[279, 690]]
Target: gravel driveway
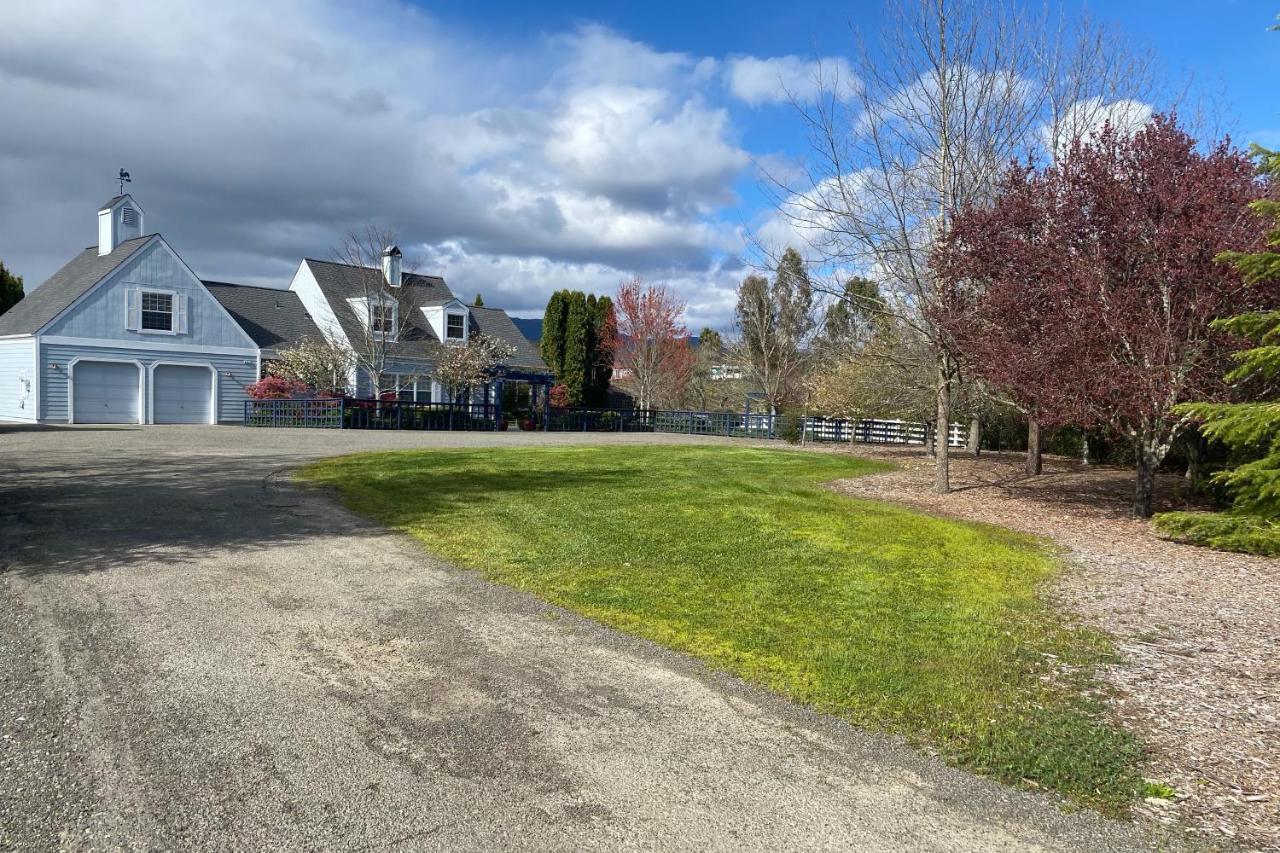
[[195, 655]]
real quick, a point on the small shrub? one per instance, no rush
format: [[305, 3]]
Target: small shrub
[[1250, 534], [787, 428], [559, 396], [276, 388]]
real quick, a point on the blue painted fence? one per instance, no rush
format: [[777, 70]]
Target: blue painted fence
[[315, 414], [400, 414]]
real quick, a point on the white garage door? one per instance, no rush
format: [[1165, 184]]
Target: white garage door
[[104, 392], [182, 395]]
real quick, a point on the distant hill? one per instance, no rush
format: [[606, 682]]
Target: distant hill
[[531, 328]]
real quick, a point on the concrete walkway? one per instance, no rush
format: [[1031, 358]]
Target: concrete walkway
[[195, 655]]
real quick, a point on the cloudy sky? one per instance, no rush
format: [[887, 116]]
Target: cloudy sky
[[515, 148]]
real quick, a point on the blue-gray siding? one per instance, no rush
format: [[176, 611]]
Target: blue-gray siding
[[102, 313], [17, 380], [231, 395]]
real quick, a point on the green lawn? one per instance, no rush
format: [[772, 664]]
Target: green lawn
[[896, 620]]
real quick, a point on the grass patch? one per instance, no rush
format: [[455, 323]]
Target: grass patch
[[1224, 531], [893, 619]]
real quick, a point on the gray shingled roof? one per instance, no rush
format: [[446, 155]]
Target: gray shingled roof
[[494, 323], [66, 286], [110, 203], [340, 282], [274, 318]]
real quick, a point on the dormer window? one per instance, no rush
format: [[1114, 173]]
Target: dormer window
[[457, 327], [383, 320]]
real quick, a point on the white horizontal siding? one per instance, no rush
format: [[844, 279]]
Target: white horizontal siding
[[17, 380], [54, 359]]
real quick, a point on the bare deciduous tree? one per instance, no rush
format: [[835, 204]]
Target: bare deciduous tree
[[384, 316], [955, 92]]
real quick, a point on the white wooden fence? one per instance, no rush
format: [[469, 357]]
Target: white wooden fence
[[873, 431]]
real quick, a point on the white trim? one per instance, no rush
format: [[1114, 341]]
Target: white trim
[[108, 343], [7, 338], [317, 304], [71, 385], [151, 387], [173, 295], [35, 373]]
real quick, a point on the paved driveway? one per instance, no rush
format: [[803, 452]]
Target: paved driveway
[[196, 655]]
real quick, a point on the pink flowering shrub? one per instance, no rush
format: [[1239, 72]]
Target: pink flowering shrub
[[276, 388]]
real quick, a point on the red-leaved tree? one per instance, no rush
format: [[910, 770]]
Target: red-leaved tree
[[1086, 291], [654, 358]]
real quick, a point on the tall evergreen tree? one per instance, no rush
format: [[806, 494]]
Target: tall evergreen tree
[[851, 320], [1250, 429], [776, 321], [553, 329], [11, 291], [577, 335], [479, 303]]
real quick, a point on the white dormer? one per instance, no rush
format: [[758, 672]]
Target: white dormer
[[119, 219], [380, 313], [450, 321]]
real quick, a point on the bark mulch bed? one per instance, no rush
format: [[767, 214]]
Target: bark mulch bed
[[1198, 630]]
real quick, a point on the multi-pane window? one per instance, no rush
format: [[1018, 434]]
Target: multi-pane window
[[456, 329], [157, 311], [383, 318], [412, 389]]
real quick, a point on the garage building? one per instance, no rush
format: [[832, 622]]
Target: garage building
[[124, 333]]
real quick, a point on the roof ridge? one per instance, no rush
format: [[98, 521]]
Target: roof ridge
[[216, 282], [370, 269]]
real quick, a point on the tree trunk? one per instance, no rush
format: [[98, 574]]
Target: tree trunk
[[975, 436], [941, 471], [1195, 445], [1149, 455], [1035, 461]]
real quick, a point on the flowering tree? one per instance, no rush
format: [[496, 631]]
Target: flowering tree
[[654, 353], [466, 365], [1087, 291], [319, 364]]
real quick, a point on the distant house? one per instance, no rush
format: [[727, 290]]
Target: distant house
[[126, 333]]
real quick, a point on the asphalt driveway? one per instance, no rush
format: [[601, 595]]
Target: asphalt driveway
[[196, 655]]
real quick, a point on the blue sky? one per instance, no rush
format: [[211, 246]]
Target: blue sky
[[515, 147]]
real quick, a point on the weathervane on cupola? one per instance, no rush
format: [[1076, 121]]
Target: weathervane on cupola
[[123, 179]]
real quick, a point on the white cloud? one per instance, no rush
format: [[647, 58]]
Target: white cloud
[[1086, 118], [583, 156], [765, 81]]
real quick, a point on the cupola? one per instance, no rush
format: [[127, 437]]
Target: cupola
[[119, 219]]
